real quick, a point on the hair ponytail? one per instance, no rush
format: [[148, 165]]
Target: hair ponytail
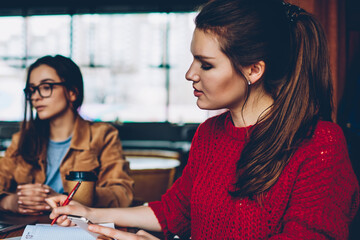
[[303, 99]]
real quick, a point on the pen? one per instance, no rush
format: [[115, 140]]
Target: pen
[[68, 199]]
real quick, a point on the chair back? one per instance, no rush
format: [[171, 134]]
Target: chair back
[[153, 172]]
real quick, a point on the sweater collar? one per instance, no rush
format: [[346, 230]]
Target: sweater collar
[[81, 134], [238, 133]]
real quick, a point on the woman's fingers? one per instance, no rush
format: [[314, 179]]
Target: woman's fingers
[[34, 202], [59, 211], [35, 206], [110, 232], [38, 187], [74, 208], [64, 221], [56, 201], [32, 192], [31, 200], [28, 211], [120, 235], [146, 235]]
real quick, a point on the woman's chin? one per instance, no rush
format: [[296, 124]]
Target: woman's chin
[[203, 106]]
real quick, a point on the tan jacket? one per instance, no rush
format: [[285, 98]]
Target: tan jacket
[[94, 147]]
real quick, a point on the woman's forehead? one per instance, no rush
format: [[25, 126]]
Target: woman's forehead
[[42, 73], [205, 43]]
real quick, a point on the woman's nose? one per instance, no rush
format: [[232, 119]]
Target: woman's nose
[[35, 95], [191, 74]]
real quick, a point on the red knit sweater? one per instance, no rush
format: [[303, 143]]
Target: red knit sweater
[[315, 197]]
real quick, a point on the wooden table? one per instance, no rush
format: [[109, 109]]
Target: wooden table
[[15, 233], [20, 219]]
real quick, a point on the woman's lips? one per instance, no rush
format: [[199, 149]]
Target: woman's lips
[[197, 93], [39, 108]]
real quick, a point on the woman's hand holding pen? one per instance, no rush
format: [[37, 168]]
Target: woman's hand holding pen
[[94, 215], [73, 208]]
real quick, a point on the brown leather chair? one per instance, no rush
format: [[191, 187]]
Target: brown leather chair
[[153, 172]]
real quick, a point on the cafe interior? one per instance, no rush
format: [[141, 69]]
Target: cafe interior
[[133, 55]]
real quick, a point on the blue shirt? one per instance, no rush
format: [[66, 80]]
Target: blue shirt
[[55, 154]]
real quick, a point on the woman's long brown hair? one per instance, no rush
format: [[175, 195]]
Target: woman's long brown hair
[[34, 134], [293, 46]]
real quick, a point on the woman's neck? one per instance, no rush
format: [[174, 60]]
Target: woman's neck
[[257, 105], [62, 127]]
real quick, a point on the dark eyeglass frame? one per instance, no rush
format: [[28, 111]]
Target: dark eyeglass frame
[[28, 92]]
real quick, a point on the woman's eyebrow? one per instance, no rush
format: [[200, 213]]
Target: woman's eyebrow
[[47, 80], [43, 81], [201, 57]]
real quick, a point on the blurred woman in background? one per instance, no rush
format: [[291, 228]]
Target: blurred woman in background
[[57, 141]]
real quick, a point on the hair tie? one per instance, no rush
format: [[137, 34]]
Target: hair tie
[[292, 11]]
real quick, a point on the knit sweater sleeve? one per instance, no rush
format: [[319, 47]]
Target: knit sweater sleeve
[[325, 195], [173, 211]]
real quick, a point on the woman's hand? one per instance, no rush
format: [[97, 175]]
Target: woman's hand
[[139, 217], [74, 208], [120, 235], [30, 199], [9, 203]]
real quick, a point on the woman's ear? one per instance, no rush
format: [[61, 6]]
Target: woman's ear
[[73, 95], [255, 72]]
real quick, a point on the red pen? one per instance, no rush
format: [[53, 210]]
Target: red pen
[[68, 199]]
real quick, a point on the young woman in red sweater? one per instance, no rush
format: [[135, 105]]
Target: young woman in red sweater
[[273, 166]]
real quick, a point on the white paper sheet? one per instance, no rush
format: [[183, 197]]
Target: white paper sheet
[[55, 232]]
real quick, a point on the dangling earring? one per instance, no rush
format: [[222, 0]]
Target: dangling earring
[[249, 83]]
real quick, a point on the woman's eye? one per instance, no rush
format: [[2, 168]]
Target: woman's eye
[[46, 87], [206, 67]]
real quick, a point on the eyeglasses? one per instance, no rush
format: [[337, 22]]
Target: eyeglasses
[[44, 89]]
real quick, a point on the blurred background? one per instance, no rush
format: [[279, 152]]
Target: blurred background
[[133, 58]]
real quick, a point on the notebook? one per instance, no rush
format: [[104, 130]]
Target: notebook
[[55, 232]]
